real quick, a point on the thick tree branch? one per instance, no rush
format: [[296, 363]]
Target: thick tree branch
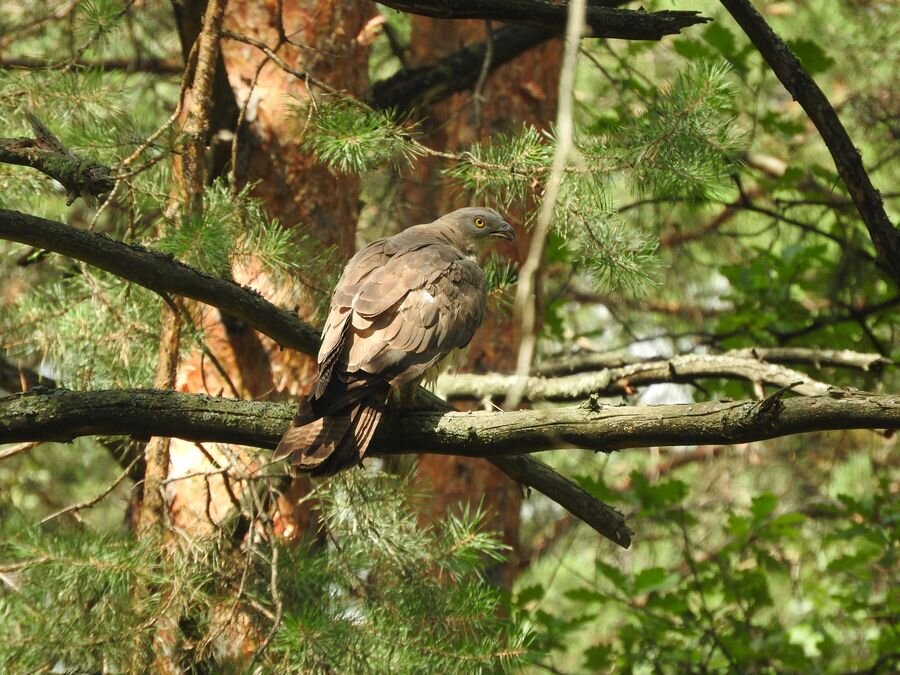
[[601, 21], [62, 415], [163, 274], [806, 92], [623, 380], [46, 153], [459, 71]]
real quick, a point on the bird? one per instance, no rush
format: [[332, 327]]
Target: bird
[[401, 305]]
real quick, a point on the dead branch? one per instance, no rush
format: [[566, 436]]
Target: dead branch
[[602, 21], [624, 380]]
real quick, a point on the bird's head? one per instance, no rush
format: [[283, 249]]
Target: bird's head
[[480, 223]]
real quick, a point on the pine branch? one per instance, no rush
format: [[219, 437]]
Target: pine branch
[[624, 380], [62, 415], [787, 67], [45, 152], [602, 21]]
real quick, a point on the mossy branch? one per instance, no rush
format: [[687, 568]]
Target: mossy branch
[[81, 177]]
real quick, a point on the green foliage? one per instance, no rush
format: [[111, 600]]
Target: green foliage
[[352, 139], [399, 597], [769, 589], [811, 55], [382, 595], [235, 230], [685, 144], [694, 177], [86, 329], [505, 168]]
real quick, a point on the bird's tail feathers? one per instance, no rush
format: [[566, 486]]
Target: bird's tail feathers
[[332, 433]]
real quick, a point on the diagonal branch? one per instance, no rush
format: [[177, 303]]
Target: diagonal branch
[[163, 274], [787, 67], [601, 21]]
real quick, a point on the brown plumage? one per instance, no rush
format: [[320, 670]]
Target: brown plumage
[[401, 305]]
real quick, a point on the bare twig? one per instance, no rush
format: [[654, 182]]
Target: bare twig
[[18, 449], [528, 276], [81, 506]]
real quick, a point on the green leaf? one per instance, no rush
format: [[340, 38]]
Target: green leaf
[[787, 525], [661, 495], [586, 595], [614, 575], [811, 55], [529, 594], [597, 658], [653, 579], [693, 50], [762, 507], [721, 39]]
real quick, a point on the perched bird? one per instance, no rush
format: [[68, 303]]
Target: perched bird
[[401, 305]]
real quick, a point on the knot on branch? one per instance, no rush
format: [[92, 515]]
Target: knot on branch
[[592, 403]]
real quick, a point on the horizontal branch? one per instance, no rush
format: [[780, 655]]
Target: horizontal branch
[[163, 274], [62, 415], [600, 21], [412, 87], [46, 153], [798, 356], [623, 380], [817, 358], [139, 64]]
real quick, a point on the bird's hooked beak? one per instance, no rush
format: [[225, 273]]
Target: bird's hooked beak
[[505, 232]]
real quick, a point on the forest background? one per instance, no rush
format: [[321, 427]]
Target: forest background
[[703, 298]]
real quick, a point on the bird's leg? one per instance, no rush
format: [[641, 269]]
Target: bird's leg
[[406, 398]]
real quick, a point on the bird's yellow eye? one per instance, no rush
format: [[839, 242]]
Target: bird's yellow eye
[[479, 222]]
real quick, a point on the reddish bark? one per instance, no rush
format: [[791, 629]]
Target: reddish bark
[[523, 91], [236, 360]]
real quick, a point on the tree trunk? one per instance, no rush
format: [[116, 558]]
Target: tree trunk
[[235, 360]]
